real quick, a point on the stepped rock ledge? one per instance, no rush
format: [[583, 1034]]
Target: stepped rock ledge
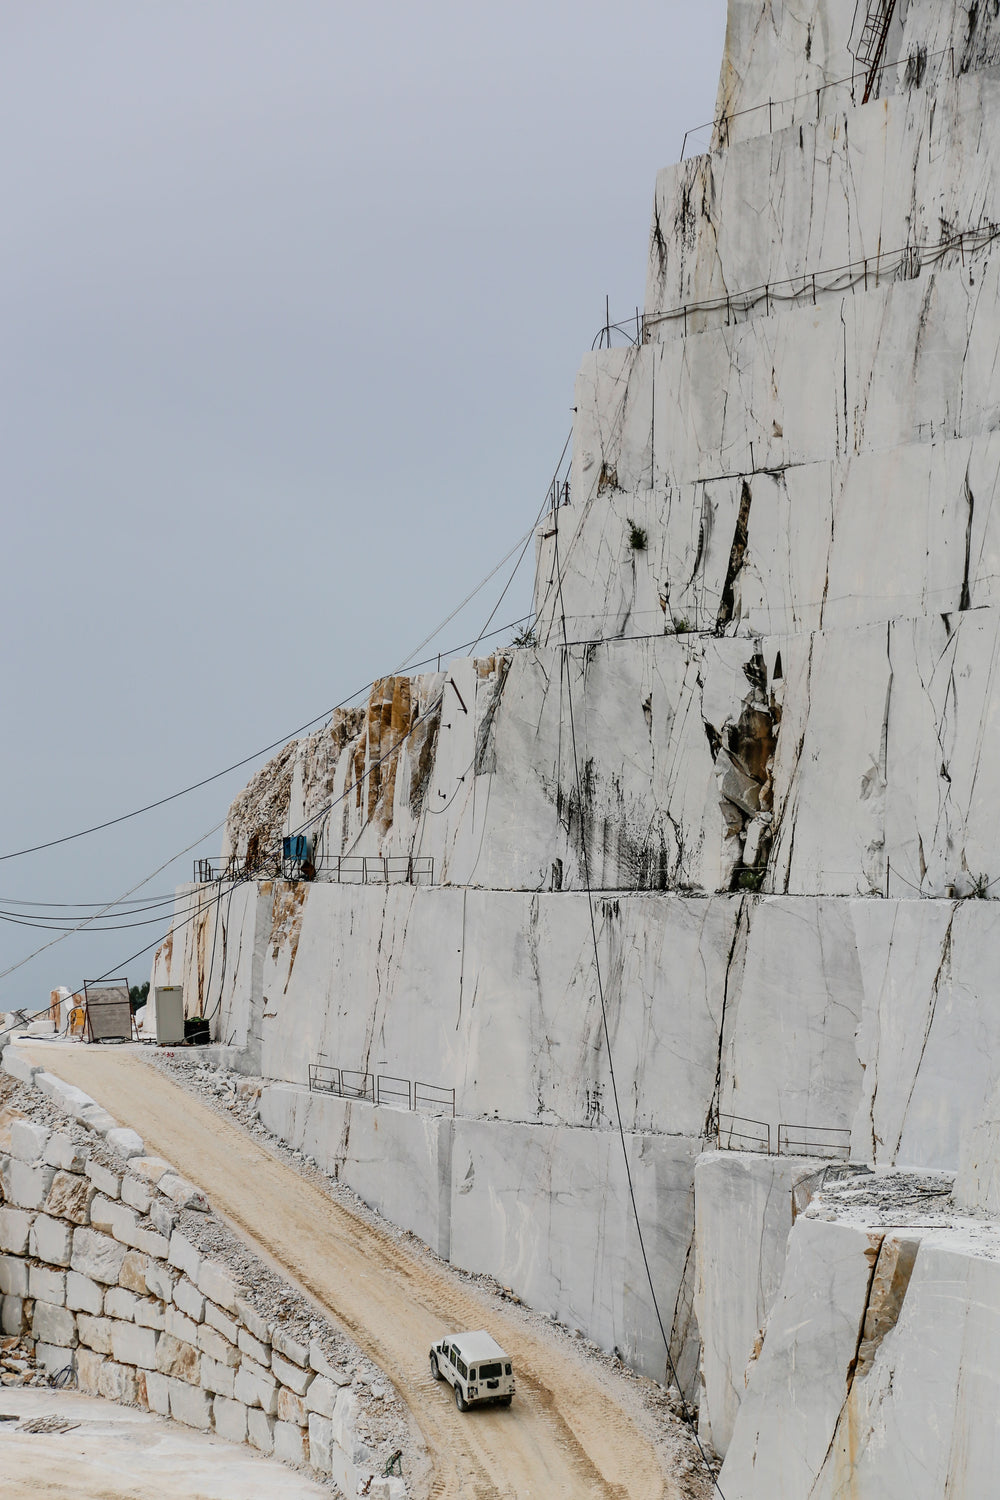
[[768, 619]]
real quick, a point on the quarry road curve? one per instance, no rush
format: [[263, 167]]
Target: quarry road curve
[[565, 1438]]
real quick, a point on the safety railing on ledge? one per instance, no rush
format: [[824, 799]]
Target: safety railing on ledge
[[739, 1133], [782, 112], [380, 1088], [736, 1133], [353, 869], [376, 869], [869, 271], [814, 1140]]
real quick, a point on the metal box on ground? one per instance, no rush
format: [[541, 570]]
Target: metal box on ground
[[168, 1014]]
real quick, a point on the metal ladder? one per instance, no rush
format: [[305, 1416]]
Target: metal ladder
[[871, 48]]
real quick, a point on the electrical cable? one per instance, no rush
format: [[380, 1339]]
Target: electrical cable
[[585, 861]]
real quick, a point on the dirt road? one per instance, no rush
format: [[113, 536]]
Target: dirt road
[[565, 1438]]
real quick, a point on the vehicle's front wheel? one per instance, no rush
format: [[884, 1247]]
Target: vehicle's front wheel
[[460, 1400], [435, 1371]]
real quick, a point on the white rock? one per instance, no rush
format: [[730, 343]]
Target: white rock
[[291, 1443], [179, 1326], [230, 1419], [15, 1225], [18, 1066], [84, 1295], [190, 1405], [136, 1193], [260, 1430], [12, 1319], [190, 1301], [256, 1387], [125, 1142], [118, 1383], [28, 1141], [158, 1393], [13, 1276], [182, 1193], [184, 1256], [297, 1379], [254, 1322], [217, 1378], [97, 1256], [215, 1282], [55, 1358], [47, 1286], [788, 1416], [28, 1185], [53, 1325], [51, 1240], [218, 1320], [289, 1348], [119, 1303], [320, 1441], [254, 1348], [63, 1152], [106, 1182], [88, 1371], [95, 1332], [132, 1345], [160, 1280], [321, 1397], [216, 1347]]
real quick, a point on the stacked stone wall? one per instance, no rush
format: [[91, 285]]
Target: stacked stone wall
[[97, 1276]]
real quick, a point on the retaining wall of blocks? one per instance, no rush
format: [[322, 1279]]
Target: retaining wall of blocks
[[94, 1269]]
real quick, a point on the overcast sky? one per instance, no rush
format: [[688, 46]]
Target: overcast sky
[[293, 296]]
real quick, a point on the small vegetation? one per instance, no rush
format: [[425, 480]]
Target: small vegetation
[[981, 888], [138, 995], [679, 625], [525, 637], [747, 880], [637, 538]]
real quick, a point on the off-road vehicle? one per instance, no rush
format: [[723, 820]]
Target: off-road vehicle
[[476, 1366]]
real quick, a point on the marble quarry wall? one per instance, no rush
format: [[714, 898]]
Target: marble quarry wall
[[761, 701]]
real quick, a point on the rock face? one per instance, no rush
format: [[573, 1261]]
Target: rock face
[[761, 717]]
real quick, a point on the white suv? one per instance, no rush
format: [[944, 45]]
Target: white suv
[[476, 1366]]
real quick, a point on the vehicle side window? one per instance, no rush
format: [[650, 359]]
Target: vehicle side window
[[462, 1370], [506, 1369], [472, 1374]]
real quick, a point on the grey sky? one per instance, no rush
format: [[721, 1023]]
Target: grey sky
[[293, 297]]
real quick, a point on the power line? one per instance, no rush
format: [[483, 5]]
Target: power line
[[585, 860]]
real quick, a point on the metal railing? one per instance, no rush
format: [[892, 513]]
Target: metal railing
[[737, 1133], [432, 1096], [346, 869], [380, 1088], [904, 264], [814, 1140], [346, 1083], [389, 1090], [376, 869], [740, 1133], [781, 113]]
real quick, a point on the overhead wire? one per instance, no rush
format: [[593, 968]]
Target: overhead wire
[[88, 922], [585, 864]]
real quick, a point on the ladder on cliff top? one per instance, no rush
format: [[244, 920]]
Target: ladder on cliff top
[[871, 47]]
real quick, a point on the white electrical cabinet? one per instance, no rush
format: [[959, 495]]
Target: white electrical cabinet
[[168, 1014]]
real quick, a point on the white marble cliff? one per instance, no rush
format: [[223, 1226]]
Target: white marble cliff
[[772, 608]]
